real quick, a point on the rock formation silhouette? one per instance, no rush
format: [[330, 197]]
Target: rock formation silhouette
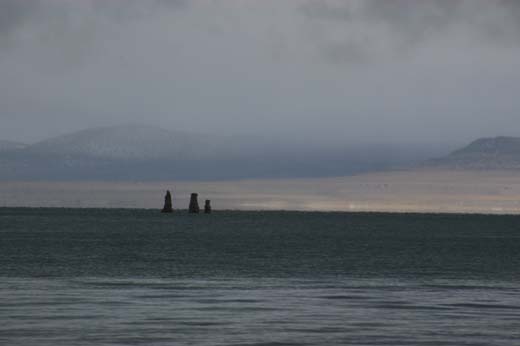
[[167, 203], [207, 207], [194, 204]]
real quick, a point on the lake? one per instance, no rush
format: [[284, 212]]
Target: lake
[[139, 277]]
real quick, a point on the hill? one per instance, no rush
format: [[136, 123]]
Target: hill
[[498, 153], [128, 142], [140, 152]]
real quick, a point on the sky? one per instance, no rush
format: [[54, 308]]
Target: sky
[[328, 70]]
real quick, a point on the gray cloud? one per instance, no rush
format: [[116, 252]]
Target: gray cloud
[[356, 70], [13, 14], [75, 30], [371, 28]]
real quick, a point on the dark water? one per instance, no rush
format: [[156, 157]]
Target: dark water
[[128, 277]]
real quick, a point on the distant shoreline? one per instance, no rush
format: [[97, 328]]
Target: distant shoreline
[[178, 212], [430, 192]]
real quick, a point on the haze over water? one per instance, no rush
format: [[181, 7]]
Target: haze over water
[[112, 277]]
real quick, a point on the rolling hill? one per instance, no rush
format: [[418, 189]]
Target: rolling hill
[[140, 152], [498, 153]]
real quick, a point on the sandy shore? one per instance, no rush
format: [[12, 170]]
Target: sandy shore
[[407, 191]]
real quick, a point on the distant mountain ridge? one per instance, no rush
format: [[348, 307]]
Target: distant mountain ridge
[[145, 142], [122, 142], [142, 152], [483, 154]]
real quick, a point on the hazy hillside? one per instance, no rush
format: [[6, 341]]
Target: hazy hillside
[[483, 154], [143, 142], [125, 142], [10, 146], [135, 152], [131, 142]]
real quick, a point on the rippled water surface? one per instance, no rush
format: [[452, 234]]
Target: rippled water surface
[[128, 277]]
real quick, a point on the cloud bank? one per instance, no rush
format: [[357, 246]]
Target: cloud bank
[[347, 71]]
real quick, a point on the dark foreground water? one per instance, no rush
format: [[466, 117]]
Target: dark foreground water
[[129, 277]]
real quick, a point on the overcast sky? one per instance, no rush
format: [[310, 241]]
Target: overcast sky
[[366, 70]]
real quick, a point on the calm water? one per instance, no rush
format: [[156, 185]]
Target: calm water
[[129, 277]]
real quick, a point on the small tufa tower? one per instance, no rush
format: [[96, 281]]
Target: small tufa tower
[[167, 203], [194, 204], [207, 207]]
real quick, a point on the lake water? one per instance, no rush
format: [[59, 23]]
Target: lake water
[[138, 277]]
